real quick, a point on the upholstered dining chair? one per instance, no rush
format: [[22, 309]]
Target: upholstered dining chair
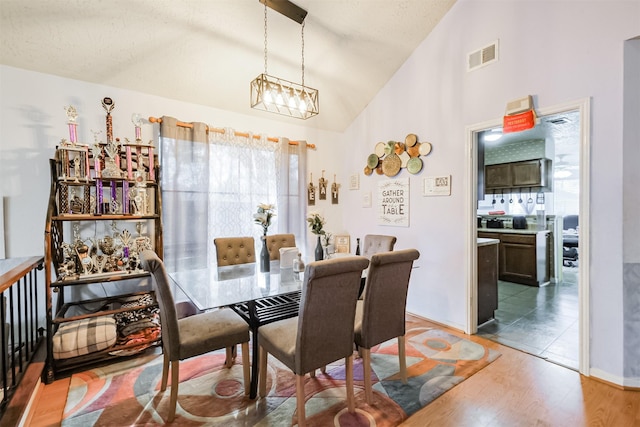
[[381, 315], [375, 243], [323, 331], [193, 335], [235, 250], [277, 241]]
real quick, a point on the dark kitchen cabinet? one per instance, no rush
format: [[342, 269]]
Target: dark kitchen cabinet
[[529, 173], [522, 258], [487, 281], [497, 176]]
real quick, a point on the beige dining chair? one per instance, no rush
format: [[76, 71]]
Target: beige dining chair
[[277, 241], [381, 315], [235, 250], [375, 243], [323, 331], [193, 335]]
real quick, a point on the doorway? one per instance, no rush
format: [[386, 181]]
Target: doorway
[[548, 321]]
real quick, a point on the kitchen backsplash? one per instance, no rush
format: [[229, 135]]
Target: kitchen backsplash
[[507, 221], [515, 152]]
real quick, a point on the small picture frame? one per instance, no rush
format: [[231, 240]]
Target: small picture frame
[[354, 182], [342, 243]]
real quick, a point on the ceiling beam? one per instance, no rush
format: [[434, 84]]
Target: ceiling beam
[[286, 8]]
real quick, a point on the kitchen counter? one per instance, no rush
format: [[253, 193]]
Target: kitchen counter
[[511, 231], [484, 241]]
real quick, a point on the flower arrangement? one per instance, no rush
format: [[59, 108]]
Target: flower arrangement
[[264, 215], [316, 222]]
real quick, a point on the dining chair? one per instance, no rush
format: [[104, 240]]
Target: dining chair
[[235, 250], [323, 331], [193, 335], [380, 316], [277, 241], [375, 243]]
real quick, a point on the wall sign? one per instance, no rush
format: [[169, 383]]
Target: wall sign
[[393, 202]]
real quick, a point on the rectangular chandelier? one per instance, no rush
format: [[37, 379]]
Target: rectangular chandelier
[[280, 96]]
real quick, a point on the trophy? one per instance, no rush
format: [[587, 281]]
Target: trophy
[[72, 115], [108, 105]]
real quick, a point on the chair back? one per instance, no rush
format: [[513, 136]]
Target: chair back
[[375, 243], [277, 241], [235, 250], [385, 301], [327, 311], [168, 315], [570, 222]]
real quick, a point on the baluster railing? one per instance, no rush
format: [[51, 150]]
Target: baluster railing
[[20, 319]]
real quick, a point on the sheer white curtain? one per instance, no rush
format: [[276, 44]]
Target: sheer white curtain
[[212, 187]]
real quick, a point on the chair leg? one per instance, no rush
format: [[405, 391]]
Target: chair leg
[[262, 379], [230, 356], [300, 400], [245, 367], [403, 359], [312, 374], [175, 367], [323, 369], [366, 366], [165, 371], [351, 403]]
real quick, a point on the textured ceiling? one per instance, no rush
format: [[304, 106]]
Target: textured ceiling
[[207, 52]]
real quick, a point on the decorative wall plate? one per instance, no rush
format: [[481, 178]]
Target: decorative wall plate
[[368, 170], [379, 169], [390, 147], [399, 148], [404, 158], [372, 160], [391, 164], [414, 165], [425, 148], [414, 151], [380, 149], [410, 140]]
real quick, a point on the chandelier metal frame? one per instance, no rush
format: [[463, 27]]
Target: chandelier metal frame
[[277, 95]]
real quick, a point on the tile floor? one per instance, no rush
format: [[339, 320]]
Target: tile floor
[[540, 321]]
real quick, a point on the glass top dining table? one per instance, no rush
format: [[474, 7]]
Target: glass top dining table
[[224, 286], [258, 297]]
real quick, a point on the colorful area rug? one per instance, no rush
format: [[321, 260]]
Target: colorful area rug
[[127, 393]]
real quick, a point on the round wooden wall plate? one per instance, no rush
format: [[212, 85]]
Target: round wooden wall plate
[[380, 149], [411, 140], [368, 170], [391, 165]]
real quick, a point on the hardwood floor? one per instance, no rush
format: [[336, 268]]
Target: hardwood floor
[[517, 389]]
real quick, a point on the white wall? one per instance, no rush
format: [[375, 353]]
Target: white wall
[[558, 51], [33, 121]]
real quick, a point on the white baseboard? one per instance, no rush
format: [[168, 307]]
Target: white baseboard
[[614, 379], [35, 395]]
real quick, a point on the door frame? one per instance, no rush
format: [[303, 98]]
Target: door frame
[[583, 106]]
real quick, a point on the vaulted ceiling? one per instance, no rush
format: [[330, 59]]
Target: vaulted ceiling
[[207, 52]]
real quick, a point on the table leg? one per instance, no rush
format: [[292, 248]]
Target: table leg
[[253, 324]]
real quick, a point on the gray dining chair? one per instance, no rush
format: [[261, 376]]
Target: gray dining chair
[[375, 243], [323, 331], [380, 316], [234, 250], [193, 335], [277, 241]]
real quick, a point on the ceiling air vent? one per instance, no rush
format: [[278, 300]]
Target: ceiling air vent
[[483, 56]]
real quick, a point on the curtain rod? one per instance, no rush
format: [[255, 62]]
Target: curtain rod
[[220, 130]]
